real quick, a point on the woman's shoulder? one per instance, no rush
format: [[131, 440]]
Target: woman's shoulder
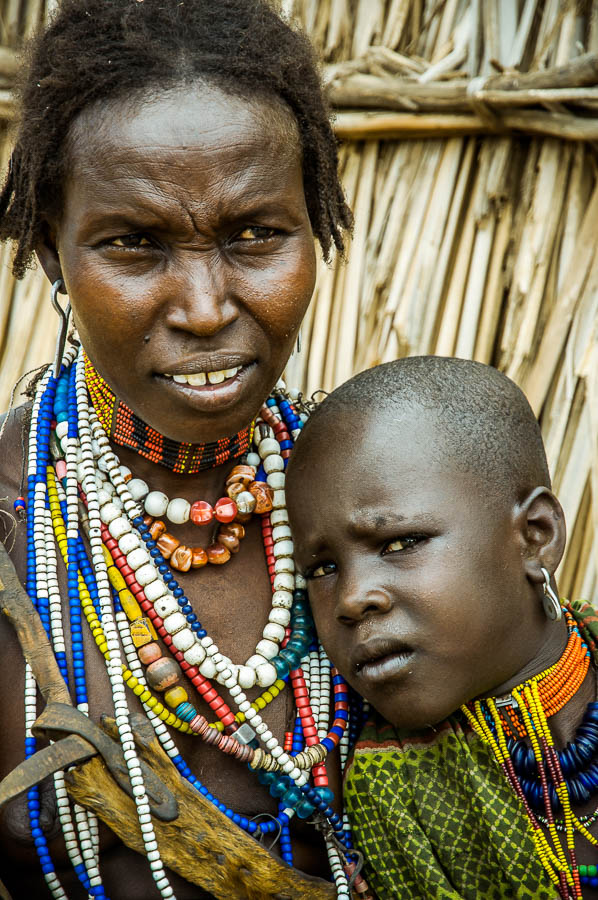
[[13, 451]]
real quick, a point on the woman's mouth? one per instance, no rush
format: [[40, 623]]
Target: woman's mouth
[[199, 379], [210, 389]]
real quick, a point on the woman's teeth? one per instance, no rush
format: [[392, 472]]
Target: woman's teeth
[[205, 377]]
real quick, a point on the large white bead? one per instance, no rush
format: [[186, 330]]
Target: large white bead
[[165, 606], [137, 558], [284, 564], [273, 463], [280, 532], [279, 517], [109, 512], [195, 655], [279, 500], [119, 526], [267, 447], [62, 429], [253, 459], [145, 575], [284, 582], [175, 622], [178, 511], [282, 599], [138, 488], [276, 480], [300, 582], [156, 503], [267, 649], [283, 548], [129, 542], [183, 640], [207, 668], [246, 677], [155, 590], [266, 675], [273, 632], [280, 616]]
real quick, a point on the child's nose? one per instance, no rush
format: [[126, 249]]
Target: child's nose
[[354, 605]]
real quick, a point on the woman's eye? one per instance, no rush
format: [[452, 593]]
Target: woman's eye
[[324, 569], [129, 241], [255, 233], [403, 543]]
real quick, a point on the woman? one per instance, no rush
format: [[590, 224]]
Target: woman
[[172, 165]]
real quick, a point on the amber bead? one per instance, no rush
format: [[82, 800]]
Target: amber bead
[[182, 558], [218, 554], [241, 474], [229, 541], [147, 520], [243, 517], [233, 528], [157, 529], [263, 494], [142, 632], [233, 490], [162, 674], [149, 653], [201, 512], [199, 557], [167, 544]]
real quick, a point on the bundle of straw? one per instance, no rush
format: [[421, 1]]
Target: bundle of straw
[[468, 156]]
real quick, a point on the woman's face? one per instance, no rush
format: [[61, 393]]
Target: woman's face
[[186, 249]]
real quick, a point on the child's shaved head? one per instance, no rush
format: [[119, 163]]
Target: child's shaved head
[[486, 424]]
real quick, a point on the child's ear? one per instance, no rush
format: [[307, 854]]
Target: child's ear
[[541, 523]]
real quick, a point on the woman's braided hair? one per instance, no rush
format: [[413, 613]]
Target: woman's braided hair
[[96, 50]]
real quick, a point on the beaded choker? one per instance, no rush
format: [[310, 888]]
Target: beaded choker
[[543, 778], [127, 430]]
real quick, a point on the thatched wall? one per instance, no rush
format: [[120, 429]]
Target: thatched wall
[[469, 158]]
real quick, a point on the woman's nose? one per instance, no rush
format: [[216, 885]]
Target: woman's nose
[[355, 604], [202, 295]]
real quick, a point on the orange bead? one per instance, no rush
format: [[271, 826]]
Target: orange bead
[[229, 541], [167, 544], [157, 529], [201, 512], [264, 495], [199, 557], [241, 474], [149, 653], [233, 528], [218, 554], [182, 558]]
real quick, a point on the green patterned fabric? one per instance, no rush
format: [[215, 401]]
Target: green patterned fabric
[[435, 817]]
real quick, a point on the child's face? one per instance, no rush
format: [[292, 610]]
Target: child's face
[[415, 576]]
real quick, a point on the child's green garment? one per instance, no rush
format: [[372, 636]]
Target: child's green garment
[[435, 817]]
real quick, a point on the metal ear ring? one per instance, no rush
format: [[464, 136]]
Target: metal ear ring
[[64, 325], [551, 603]]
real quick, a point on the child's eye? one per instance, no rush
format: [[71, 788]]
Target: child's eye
[[320, 571], [403, 543]]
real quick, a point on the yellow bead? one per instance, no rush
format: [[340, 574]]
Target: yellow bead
[[129, 603], [143, 632], [176, 695], [138, 690]]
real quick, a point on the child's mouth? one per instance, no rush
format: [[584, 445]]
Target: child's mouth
[[380, 659]]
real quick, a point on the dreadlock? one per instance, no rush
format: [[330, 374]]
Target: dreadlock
[[95, 50]]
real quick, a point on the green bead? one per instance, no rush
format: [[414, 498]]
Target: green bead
[[592, 871], [583, 870]]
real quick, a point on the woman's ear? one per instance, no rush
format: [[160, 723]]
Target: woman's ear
[[47, 254], [541, 521]]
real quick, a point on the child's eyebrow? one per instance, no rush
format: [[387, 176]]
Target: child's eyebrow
[[365, 521]]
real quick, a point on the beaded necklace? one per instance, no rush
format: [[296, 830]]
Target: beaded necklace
[[538, 775], [127, 430], [128, 596]]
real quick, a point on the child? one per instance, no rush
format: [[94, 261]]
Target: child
[[428, 535]]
